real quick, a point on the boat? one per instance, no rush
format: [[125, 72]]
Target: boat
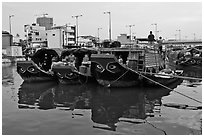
[[76, 71], [139, 66], [190, 57], [37, 67]]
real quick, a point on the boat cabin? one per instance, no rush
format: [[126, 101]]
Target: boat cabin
[[43, 57], [143, 60]]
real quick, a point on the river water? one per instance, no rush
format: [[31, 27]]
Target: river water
[[48, 108]]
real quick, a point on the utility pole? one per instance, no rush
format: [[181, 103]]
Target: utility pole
[[66, 34], [130, 26], [179, 33], [108, 12], [10, 16], [155, 30], [77, 36]]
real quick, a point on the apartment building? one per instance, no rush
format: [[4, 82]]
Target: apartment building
[[61, 36]]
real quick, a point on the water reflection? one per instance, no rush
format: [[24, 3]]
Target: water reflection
[[36, 95], [107, 106], [7, 74]]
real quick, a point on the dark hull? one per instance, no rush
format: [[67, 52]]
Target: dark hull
[[30, 73], [69, 75], [122, 77]]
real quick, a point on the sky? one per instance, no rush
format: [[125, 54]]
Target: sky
[[169, 16]]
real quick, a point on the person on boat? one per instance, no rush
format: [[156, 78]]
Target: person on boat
[[55, 62], [65, 60], [86, 60], [151, 38], [120, 60], [72, 59]]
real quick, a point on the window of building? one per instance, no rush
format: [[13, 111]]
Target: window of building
[[53, 34], [37, 33]]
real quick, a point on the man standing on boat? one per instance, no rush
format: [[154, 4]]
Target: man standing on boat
[[151, 38]]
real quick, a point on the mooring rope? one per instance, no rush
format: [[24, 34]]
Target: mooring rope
[[166, 86], [118, 78]]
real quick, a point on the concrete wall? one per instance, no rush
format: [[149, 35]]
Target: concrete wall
[[14, 51], [55, 38], [7, 40]]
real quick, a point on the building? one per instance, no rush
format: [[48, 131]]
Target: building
[[7, 41], [8, 47], [69, 36], [86, 41], [46, 22], [61, 36], [55, 37], [14, 51], [35, 35]]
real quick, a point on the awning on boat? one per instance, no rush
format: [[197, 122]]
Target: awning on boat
[[78, 51], [52, 52]]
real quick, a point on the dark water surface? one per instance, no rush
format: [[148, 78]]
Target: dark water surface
[[54, 109]]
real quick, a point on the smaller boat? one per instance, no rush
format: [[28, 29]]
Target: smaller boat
[[163, 77], [74, 68], [37, 68], [190, 57]]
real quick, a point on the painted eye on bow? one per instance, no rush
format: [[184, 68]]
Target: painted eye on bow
[[111, 67], [99, 68], [21, 70], [69, 74], [31, 69]]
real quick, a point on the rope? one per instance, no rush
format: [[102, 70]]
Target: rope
[[167, 87], [117, 78], [156, 127]]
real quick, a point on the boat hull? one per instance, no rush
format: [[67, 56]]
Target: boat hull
[[31, 73], [110, 73], [67, 74]]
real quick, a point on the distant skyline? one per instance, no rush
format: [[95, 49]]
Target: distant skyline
[[169, 16]]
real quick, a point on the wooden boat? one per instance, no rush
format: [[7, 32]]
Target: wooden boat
[[37, 68], [137, 68], [77, 72], [190, 57]]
